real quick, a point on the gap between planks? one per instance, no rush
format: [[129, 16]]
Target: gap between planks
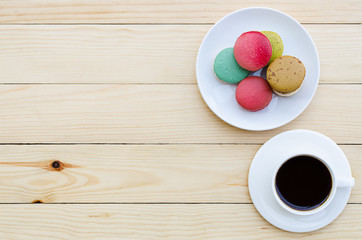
[[140, 83], [151, 144], [161, 24], [141, 203]]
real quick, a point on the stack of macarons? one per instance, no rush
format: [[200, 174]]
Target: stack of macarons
[[252, 51]]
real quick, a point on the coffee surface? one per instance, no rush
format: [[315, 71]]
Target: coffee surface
[[303, 183]]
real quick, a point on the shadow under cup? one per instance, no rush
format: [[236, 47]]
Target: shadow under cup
[[303, 183]]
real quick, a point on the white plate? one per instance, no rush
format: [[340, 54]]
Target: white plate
[[221, 97], [269, 157]]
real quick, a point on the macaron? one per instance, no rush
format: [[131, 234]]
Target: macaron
[[252, 50], [276, 44], [285, 75], [253, 93], [226, 68]]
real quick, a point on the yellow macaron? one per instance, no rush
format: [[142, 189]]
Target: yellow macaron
[[276, 44]]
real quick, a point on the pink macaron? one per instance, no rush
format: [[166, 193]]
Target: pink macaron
[[253, 93], [252, 50]]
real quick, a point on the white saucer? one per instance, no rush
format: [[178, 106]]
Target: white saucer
[[220, 97], [270, 155]]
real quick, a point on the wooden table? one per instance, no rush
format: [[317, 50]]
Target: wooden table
[[101, 119]]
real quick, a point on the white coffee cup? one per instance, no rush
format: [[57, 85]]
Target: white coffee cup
[[337, 182]]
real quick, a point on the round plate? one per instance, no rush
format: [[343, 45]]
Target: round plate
[[220, 97], [269, 157]]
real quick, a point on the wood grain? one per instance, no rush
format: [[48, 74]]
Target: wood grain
[[143, 54], [182, 183], [154, 114], [135, 173], [163, 11], [218, 221]]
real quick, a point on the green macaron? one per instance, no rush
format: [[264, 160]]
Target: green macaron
[[276, 44], [227, 69]]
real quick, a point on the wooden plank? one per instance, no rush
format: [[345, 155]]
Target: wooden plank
[[99, 54], [143, 54], [334, 67], [210, 221], [163, 11], [154, 114], [141, 173], [125, 173]]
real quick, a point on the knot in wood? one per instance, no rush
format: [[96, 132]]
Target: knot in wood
[[56, 164]]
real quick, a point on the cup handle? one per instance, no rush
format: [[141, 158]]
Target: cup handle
[[345, 182]]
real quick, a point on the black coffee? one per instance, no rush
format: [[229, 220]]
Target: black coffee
[[303, 183]]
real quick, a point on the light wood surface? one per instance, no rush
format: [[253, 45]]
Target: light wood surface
[[143, 53], [102, 121], [166, 11], [158, 221], [130, 113], [185, 173]]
